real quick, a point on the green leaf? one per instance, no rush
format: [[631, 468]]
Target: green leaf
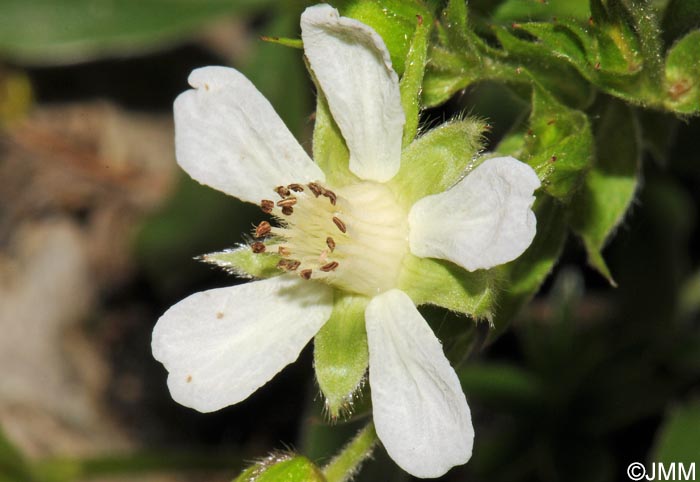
[[438, 159], [341, 355], [411, 83], [678, 440], [441, 283], [524, 276], [243, 262], [50, 32], [683, 75], [282, 467], [547, 64], [559, 145], [519, 10], [330, 151], [609, 188]]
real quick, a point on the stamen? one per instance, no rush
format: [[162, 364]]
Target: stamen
[[315, 188], [283, 251], [340, 224], [330, 243], [287, 210], [257, 247], [305, 273], [289, 202], [288, 264], [282, 191], [330, 266], [266, 205], [262, 229], [296, 187], [330, 195]]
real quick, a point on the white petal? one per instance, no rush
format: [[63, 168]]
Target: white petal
[[352, 65], [221, 345], [485, 220], [228, 136], [420, 412]]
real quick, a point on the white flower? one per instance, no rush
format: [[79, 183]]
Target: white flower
[[221, 345]]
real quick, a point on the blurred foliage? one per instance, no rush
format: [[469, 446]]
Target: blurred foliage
[[596, 96]]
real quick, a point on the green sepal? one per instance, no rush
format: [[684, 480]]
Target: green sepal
[[682, 75], [295, 43], [285, 467], [411, 83], [243, 262], [442, 283], [610, 185], [438, 159], [393, 20], [341, 355], [329, 148], [558, 145], [524, 276]]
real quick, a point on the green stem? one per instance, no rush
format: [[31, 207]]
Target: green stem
[[347, 463]]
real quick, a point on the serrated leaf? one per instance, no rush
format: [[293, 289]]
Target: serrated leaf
[[243, 262], [682, 75], [610, 185], [50, 32], [341, 355], [411, 83], [547, 66], [441, 283], [524, 276], [437, 160], [558, 145]]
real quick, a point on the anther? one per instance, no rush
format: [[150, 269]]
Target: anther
[[283, 251], [257, 247], [315, 188], [330, 243], [330, 266], [262, 229], [287, 210], [282, 191], [288, 264], [266, 205], [305, 273], [340, 224], [296, 187], [288, 202], [330, 195]]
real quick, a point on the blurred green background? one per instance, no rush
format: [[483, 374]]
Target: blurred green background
[[99, 230]]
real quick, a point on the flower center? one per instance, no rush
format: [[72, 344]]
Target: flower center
[[354, 238]]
